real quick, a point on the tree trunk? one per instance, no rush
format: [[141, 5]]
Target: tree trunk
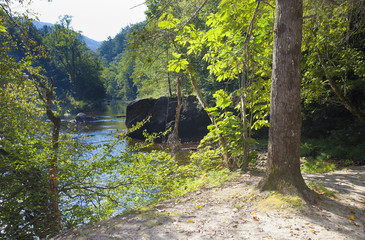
[[228, 160], [52, 175], [283, 167], [174, 139], [45, 92], [178, 109]]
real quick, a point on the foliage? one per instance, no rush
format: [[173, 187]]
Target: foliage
[[318, 164], [228, 125], [154, 48], [119, 79], [23, 157], [26, 150], [70, 54], [119, 62], [225, 47], [344, 145], [334, 54], [24, 199], [111, 50]]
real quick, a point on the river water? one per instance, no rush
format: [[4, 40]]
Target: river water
[[110, 119]]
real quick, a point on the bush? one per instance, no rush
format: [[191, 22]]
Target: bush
[[318, 164]]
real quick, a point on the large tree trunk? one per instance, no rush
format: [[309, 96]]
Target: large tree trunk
[[283, 167]]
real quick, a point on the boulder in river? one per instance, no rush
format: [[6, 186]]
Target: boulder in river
[[193, 119], [82, 118]]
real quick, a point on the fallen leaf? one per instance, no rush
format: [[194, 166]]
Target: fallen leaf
[[198, 207], [313, 231], [191, 220], [253, 213], [352, 218]]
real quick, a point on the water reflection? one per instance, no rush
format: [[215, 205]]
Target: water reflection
[[110, 119]]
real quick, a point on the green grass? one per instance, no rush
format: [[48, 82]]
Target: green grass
[[319, 188], [320, 164]]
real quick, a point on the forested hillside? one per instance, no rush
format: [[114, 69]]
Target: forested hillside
[[90, 43], [76, 69]]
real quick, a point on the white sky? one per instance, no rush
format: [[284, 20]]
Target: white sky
[[96, 19]]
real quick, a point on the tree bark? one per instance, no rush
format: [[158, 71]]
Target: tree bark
[[178, 109], [283, 168], [46, 95], [174, 139]]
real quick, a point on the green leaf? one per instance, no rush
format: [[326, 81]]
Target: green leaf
[[2, 28]]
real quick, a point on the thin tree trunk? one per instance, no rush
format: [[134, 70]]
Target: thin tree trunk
[[245, 137], [350, 107], [169, 82], [53, 183], [246, 133], [197, 91], [178, 109], [174, 139], [228, 160], [168, 76], [46, 95], [283, 168]]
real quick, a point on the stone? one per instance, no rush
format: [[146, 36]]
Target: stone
[[192, 125], [82, 118]]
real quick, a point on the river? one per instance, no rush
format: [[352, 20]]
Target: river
[[110, 119]]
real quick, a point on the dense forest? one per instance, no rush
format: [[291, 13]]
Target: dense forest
[[226, 53]]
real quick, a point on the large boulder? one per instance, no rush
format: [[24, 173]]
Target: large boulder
[[192, 125]]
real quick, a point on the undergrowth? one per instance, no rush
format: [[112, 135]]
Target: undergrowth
[[318, 164]]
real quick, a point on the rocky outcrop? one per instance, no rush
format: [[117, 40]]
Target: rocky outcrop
[[82, 118], [192, 125]]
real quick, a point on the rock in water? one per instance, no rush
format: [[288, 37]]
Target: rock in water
[[192, 125], [82, 118]]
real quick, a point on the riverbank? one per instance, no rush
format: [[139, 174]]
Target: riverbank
[[236, 210]]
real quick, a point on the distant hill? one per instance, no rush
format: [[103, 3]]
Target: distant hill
[[92, 44], [112, 49]]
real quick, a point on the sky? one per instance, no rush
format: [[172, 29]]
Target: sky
[[96, 19]]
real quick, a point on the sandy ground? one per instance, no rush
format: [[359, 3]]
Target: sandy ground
[[236, 210]]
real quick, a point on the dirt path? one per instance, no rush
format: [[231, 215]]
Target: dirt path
[[237, 211]]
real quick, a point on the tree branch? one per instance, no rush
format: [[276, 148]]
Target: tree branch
[[348, 105], [333, 2], [193, 16]]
